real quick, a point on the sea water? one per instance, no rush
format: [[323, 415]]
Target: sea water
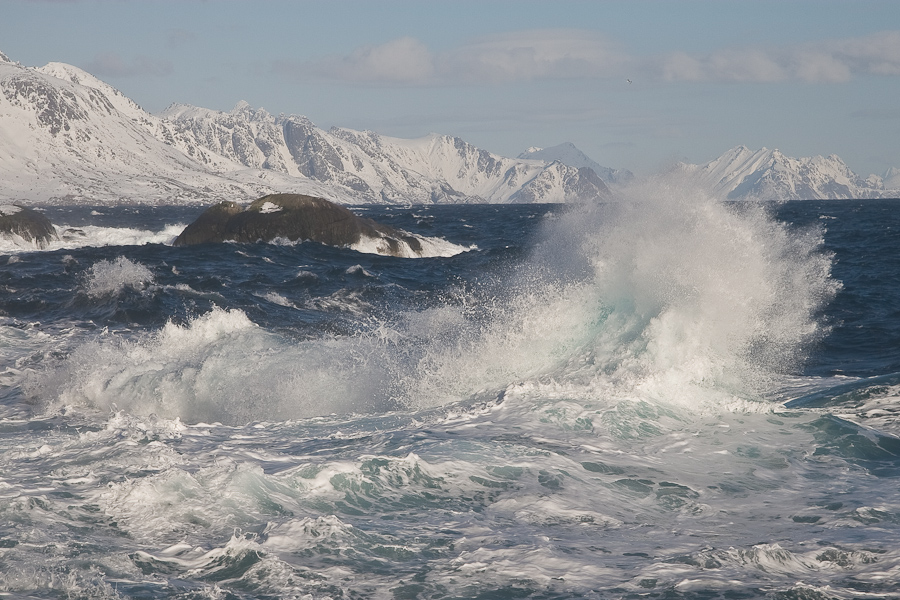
[[659, 397]]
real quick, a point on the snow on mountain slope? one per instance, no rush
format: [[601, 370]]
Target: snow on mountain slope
[[568, 154], [741, 173], [373, 168], [65, 135]]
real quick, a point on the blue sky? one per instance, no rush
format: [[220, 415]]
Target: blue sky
[[806, 77]]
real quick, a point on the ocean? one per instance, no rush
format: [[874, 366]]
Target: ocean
[[660, 397]]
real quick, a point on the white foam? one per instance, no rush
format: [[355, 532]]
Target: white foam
[[669, 295], [220, 367], [430, 247], [94, 236], [106, 278], [276, 298]]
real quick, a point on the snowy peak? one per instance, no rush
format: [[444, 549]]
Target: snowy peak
[[78, 77], [568, 154], [741, 173]]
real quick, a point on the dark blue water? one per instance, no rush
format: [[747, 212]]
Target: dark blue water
[[44, 286], [864, 237], [582, 402]]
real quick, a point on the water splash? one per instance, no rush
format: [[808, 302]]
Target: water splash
[[668, 296], [108, 278]]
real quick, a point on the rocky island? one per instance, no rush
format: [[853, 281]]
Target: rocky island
[[295, 217]]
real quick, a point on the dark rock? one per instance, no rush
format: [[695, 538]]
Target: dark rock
[[211, 226], [294, 217], [72, 233], [26, 223]]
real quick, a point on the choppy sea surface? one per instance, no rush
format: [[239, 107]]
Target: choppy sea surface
[[662, 397]]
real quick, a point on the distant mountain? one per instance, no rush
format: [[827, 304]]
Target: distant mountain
[[891, 179], [66, 135], [741, 173], [568, 154], [369, 167]]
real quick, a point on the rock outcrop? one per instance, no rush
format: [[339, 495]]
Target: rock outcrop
[[295, 217], [27, 224]]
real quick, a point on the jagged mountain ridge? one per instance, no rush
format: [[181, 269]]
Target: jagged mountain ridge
[[66, 135], [743, 174], [374, 168]]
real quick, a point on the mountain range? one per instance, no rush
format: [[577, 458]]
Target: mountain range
[[66, 136], [742, 174]]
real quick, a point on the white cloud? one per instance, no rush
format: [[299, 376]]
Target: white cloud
[[725, 65], [878, 53], [529, 55], [580, 54], [110, 64], [404, 60], [520, 56], [832, 61]]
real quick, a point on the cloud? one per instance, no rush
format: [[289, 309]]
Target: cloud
[[548, 54], [832, 61], [110, 64], [519, 56], [404, 60], [531, 55], [726, 65]]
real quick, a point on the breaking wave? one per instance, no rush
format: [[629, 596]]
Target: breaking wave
[[667, 296]]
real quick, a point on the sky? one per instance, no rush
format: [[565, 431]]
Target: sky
[[635, 84]]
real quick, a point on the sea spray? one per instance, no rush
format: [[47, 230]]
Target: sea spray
[[724, 294], [666, 294], [108, 278], [582, 475], [219, 367]]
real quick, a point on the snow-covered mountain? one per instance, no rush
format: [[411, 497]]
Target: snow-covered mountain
[[374, 168], [568, 154], [66, 135], [742, 173]]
